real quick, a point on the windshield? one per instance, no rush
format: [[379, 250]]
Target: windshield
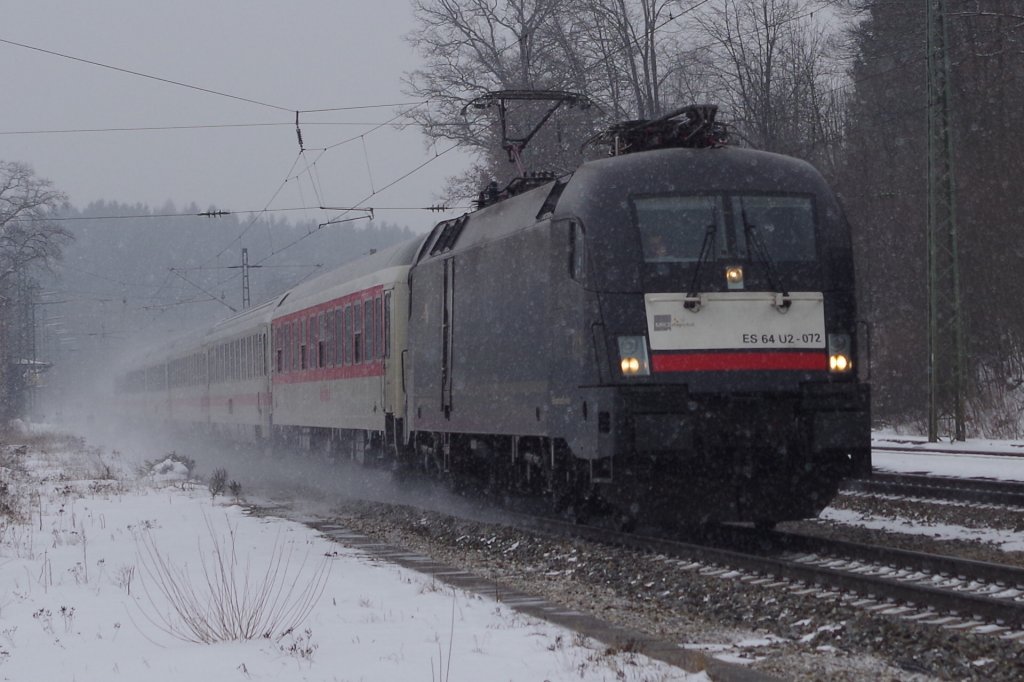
[[784, 223], [673, 229]]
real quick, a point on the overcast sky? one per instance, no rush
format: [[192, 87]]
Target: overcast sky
[[306, 54]]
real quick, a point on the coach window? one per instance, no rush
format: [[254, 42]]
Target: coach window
[[387, 324], [348, 335], [278, 351], [295, 343], [357, 333], [315, 342], [261, 354], [286, 345], [339, 337], [321, 341], [378, 326], [368, 330], [311, 342], [331, 338]]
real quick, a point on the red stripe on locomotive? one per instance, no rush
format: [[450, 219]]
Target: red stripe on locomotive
[[728, 362]]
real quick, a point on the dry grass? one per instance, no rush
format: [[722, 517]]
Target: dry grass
[[232, 600]]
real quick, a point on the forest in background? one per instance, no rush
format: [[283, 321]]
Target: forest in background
[[132, 276], [840, 83]]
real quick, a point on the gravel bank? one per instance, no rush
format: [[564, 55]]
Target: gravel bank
[[774, 630]]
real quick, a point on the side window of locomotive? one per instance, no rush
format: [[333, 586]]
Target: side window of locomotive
[[784, 224], [673, 228], [577, 252]]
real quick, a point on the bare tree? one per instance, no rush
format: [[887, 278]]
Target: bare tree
[[610, 50], [473, 46], [624, 47], [771, 64], [29, 240], [28, 235]]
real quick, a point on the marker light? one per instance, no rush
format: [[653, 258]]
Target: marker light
[[734, 276], [633, 356]]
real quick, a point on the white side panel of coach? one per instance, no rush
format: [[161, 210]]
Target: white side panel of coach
[[337, 353]]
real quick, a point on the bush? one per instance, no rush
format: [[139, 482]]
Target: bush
[[218, 482], [230, 604]]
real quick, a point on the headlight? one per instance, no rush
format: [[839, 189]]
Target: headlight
[[633, 356], [839, 349], [734, 276]]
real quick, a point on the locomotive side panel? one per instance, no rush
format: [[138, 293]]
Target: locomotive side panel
[[481, 326]]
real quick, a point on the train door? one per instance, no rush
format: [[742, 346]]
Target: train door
[[447, 336]]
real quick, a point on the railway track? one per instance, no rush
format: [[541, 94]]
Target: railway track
[[971, 490], [924, 448], [939, 590]]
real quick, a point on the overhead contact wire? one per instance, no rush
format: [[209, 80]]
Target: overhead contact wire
[[143, 75]]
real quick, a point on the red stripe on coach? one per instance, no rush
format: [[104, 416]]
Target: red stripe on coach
[[725, 362]]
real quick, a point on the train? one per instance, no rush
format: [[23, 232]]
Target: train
[[668, 332]]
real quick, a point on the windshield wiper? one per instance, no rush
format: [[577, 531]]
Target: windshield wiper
[[692, 300], [755, 242]]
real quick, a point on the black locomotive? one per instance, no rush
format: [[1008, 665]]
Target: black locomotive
[[669, 332]]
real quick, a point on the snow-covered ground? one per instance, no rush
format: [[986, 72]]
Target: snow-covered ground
[[969, 459], [973, 458], [1005, 540], [109, 576]]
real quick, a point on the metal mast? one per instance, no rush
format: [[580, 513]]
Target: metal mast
[[946, 352], [245, 279]]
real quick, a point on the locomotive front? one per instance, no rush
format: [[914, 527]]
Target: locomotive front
[[718, 286]]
